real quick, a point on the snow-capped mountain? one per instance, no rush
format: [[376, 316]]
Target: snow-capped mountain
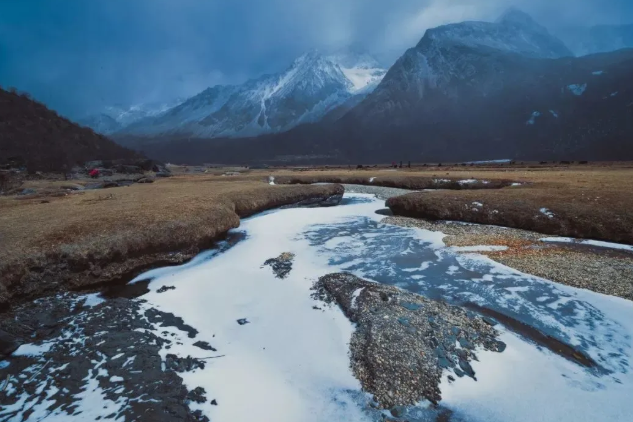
[[598, 39], [311, 87], [114, 118], [465, 92], [449, 57], [101, 123]]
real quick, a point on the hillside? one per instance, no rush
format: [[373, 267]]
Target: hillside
[[32, 134]]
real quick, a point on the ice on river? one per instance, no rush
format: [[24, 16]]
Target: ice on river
[[290, 362]]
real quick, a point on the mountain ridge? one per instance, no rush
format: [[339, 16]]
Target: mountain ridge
[[304, 92]]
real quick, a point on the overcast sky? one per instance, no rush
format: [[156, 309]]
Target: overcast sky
[[80, 55]]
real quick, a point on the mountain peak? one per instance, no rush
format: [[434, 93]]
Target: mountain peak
[[517, 16], [514, 32]]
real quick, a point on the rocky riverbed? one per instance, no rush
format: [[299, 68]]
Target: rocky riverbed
[[403, 342], [90, 358]]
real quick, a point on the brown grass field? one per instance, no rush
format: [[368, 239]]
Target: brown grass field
[[588, 201], [62, 239], [51, 239]]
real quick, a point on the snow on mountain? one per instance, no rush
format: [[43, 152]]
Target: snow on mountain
[[362, 70], [514, 32], [310, 88], [451, 56], [101, 123], [114, 118]]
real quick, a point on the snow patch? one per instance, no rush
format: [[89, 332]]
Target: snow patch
[[503, 161], [93, 299], [547, 212], [33, 349], [533, 117], [597, 72], [577, 89], [355, 295], [553, 113], [598, 243]]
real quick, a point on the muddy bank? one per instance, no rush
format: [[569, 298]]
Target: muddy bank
[[558, 213], [79, 261]]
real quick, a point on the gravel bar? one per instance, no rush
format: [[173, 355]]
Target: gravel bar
[[601, 270]]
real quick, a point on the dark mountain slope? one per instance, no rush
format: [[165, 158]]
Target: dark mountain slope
[[495, 105], [46, 141]]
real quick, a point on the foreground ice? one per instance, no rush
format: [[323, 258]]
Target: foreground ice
[[290, 361]]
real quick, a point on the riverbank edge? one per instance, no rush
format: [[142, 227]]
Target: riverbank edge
[[69, 267]]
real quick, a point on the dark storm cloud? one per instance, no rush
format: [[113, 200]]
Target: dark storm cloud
[[79, 55]]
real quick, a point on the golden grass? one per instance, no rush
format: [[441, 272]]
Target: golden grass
[[589, 203], [97, 227]]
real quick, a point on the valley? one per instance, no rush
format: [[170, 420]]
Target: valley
[[485, 285], [316, 211]]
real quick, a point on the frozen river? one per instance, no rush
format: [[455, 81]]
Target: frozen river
[[288, 362]]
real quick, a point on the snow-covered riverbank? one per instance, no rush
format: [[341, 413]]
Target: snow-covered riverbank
[[287, 361]]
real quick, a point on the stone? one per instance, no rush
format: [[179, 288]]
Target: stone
[[243, 321], [197, 395], [165, 288], [8, 344], [410, 306], [490, 321], [396, 411], [465, 366], [465, 343], [27, 191], [205, 346], [404, 321]]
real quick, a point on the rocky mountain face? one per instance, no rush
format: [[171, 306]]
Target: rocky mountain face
[[313, 86], [598, 39], [469, 91]]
